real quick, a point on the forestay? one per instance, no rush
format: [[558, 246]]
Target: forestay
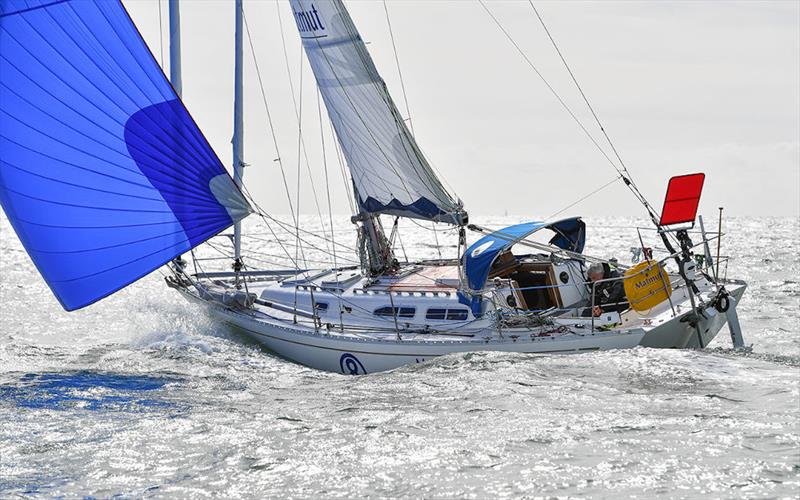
[[103, 173], [389, 172]]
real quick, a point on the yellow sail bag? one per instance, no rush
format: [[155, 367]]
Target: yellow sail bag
[[646, 285]]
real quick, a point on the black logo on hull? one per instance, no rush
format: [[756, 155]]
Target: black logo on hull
[[350, 365]]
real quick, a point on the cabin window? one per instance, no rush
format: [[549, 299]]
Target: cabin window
[[449, 314], [457, 314], [322, 306], [436, 314], [401, 312]]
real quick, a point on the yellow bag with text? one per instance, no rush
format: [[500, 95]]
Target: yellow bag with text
[[646, 285]]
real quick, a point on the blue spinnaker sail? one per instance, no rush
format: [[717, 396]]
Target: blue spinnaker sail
[[104, 175]]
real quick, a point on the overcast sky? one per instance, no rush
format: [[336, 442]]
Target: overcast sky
[[680, 87]]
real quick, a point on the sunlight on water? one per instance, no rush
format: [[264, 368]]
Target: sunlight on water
[[141, 395]]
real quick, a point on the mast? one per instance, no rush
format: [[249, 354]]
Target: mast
[[175, 71], [238, 126], [374, 251], [175, 46]]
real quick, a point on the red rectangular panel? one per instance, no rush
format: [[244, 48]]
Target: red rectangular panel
[[682, 200]]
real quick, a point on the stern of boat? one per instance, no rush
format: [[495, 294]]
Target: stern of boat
[[679, 333]]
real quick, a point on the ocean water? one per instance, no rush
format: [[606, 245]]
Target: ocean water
[[141, 395]]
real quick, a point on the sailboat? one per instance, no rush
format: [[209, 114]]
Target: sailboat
[[106, 177]]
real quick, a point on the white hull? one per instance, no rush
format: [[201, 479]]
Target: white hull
[[677, 334], [365, 350], [349, 355]]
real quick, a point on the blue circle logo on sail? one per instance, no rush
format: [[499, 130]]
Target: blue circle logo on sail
[[350, 365]]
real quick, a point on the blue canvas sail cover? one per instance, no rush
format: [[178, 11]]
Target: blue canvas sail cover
[[480, 256], [104, 175]]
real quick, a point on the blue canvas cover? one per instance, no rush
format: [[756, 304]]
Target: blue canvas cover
[[104, 175], [570, 234], [480, 256]]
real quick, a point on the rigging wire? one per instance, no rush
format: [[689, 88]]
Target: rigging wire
[[436, 171], [387, 97], [328, 194], [298, 112], [337, 231], [408, 114], [612, 181], [325, 170], [262, 213], [265, 240], [627, 179], [269, 117], [397, 64], [343, 170], [279, 160], [396, 234], [298, 247], [276, 238], [403, 247], [228, 254], [552, 90], [299, 162], [291, 229]]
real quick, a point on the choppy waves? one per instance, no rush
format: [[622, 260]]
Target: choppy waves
[[140, 395]]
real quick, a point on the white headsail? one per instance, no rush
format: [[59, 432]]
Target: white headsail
[[390, 174]]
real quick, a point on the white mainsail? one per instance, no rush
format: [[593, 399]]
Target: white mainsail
[[390, 174]]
